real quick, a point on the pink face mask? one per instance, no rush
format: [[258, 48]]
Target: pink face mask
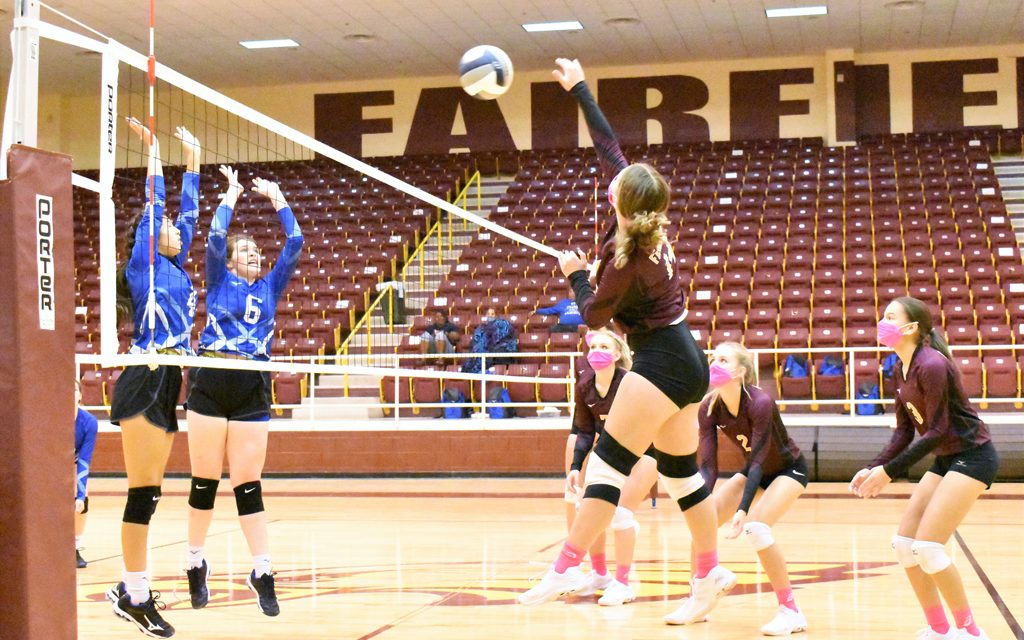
[[719, 375], [890, 333], [600, 359]]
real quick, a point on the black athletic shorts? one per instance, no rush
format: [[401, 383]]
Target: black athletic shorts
[[85, 505], [797, 471], [980, 463], [150, 393], [229, 393], [671, 360]]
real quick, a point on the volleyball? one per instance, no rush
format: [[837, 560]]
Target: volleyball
[[485, 72]]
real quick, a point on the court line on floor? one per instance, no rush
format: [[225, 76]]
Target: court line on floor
[[992, 591]]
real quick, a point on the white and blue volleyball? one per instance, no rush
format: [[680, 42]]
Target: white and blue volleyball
[[485, 72]]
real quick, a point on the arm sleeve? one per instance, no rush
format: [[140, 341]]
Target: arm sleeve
[[584, 443], [289, 258], [597, 308], [140, 252], [936, 408], [605, 142], [217, 247], [84, 459], [707, 450], [763, 420], [189, 214]]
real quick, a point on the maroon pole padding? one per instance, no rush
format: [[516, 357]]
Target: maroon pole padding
[[37, 369]]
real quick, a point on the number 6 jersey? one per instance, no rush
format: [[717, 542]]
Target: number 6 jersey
[[240, 316]]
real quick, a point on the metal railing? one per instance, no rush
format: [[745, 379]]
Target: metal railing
[[849, 401], [381, 311]]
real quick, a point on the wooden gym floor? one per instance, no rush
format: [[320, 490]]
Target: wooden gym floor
[[427, 558]]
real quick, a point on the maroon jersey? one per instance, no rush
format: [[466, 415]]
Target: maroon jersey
[[591, 411], [930, 400], [757, 430], [646, 293]]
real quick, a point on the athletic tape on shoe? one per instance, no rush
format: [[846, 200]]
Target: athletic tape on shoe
[[759, 535], [903, 546], [931, 556], [623, 519]]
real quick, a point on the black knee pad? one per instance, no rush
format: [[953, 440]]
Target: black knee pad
[[700, 495], [604, 492], [249, 498], [141, 504], [676, 466], [203, 493], [617, 456]]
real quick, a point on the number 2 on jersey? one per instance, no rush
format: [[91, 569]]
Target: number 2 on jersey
[[743, 442], [252, 310]]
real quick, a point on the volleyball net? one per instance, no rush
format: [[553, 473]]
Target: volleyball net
[[361, 225]]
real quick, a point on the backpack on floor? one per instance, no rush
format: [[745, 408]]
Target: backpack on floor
[[454, 397], [497, 396], [868, 391]]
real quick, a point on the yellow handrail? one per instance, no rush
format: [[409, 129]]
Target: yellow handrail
[[416, 256]]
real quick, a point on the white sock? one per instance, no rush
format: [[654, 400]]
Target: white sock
[[195, 557], [137, 585], [78, 542], [261, 564]]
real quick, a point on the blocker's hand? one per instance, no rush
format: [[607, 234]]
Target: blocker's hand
[[270, 189], [572, 261], [569, 73], [235, 188], [139, 129]]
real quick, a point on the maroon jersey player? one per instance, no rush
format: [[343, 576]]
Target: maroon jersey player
[[930, 400]]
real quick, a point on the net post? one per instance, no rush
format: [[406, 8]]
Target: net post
[[37, 258], [21, 114], [107, 215]]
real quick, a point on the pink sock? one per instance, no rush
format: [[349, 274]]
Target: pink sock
[[785, 598], [622, 573], [599, 562], [936, 617], [569, 556], [964, 620], [705, 563]]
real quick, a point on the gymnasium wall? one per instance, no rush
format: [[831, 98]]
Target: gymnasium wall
[[836, 96]]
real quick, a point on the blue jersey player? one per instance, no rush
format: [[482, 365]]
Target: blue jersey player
[[85, 442], [145, 399], [229, 409]]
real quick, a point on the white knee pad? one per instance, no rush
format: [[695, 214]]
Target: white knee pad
[[681, 487], [759, 535], [903, 546], [623, 519], [931, 556], [600, 472]]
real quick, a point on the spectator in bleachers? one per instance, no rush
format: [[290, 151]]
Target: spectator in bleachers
[[440, 337], [494, 335], [569, 318]]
